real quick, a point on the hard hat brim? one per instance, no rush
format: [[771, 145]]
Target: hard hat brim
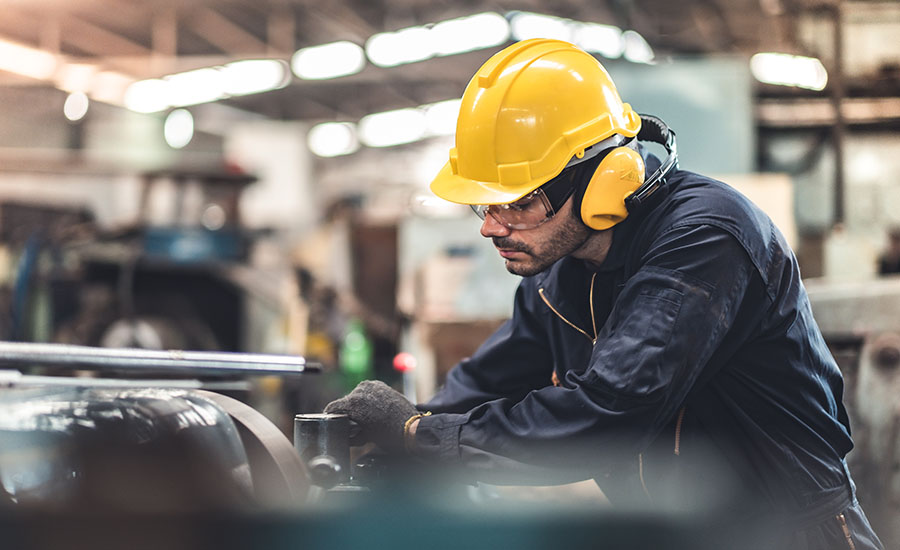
[[455, 188]]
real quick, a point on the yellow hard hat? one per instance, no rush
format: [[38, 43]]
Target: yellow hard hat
[[525, 114]]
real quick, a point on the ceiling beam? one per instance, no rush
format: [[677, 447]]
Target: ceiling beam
[[224, 34], [281, 32], [334, 18], [727, 38], [96, 40], [164, 39]]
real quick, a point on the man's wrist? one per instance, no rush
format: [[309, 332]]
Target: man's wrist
[[409, 431]]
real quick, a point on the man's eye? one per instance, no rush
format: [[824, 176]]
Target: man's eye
[[521, 204]]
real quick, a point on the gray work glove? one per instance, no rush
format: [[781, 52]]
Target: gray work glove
[[380, 411]]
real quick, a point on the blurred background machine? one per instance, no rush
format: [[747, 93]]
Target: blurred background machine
[[162, 283], [861, 324]]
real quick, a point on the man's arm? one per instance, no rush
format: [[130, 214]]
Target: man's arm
[[514, 360]]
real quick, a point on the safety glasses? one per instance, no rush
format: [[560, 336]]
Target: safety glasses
[[544, 202], [534, 208]]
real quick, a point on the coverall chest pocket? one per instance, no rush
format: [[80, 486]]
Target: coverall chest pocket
[[640, 339]]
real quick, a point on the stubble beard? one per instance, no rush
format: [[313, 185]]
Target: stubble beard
[[569, 238]]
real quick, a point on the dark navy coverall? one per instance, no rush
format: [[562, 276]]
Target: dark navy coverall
[[706, 383]]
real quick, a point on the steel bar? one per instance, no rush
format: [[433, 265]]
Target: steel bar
[[22, 354], [14, 378]]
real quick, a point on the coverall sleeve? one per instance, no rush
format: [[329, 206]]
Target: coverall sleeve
[[509, 364], [667, 321]]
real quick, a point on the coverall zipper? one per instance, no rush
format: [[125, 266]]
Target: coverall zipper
[[843, 521], [678, 430], [594, 341], [570, 323]]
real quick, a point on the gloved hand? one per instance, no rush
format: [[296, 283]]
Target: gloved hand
[[380, 411]]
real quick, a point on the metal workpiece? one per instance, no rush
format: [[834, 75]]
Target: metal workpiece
[[10, 378], [323, 442], [141, 450], [20, 354]]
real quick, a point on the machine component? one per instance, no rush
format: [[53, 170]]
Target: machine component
[[143, 450], [62, 437], [14, 378], [17, 354], [201, 224], [324, 471], [138, 450], [279, 476], [323, 442]]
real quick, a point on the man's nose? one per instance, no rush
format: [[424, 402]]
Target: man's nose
[[490, 227]]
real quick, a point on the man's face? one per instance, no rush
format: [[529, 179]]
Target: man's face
[[529, 251]]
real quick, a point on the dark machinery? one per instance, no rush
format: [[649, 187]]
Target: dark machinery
[[138, 444]]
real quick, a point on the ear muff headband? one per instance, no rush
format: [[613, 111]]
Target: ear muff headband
[[618, 186], [655, 130]]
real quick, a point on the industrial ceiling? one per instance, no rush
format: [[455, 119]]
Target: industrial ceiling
[[148, 39]]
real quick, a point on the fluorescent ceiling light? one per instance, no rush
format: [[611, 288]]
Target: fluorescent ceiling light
[[440, 118], [76, 106], [392, 128], [789, 70], [332, 139], [466, 34], [26, 61], [193, 87], [389, 49], [179, 128], [637, 50], [328, 61], [605, 40], [75, 77], [527, 25], [253, 76], [147, 96], [110, 87]]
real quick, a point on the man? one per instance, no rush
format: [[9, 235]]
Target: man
[[661, 342]]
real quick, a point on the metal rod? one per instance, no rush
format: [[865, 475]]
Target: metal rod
[[19, 354], [14, 378]]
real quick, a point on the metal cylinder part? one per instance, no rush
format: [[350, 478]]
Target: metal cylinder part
[[18, 354], [318, 435]]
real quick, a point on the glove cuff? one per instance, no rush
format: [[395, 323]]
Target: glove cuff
[[408, 439]]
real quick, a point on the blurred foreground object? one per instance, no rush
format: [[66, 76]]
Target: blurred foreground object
[[150, 450]]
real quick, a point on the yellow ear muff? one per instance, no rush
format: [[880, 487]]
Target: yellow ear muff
[[617, 177]]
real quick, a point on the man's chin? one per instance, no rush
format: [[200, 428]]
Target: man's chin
[[523, 269]]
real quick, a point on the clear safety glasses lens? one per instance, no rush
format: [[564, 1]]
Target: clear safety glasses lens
[[526, 213]]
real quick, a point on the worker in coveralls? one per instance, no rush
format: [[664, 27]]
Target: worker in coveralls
[[661, 343]]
